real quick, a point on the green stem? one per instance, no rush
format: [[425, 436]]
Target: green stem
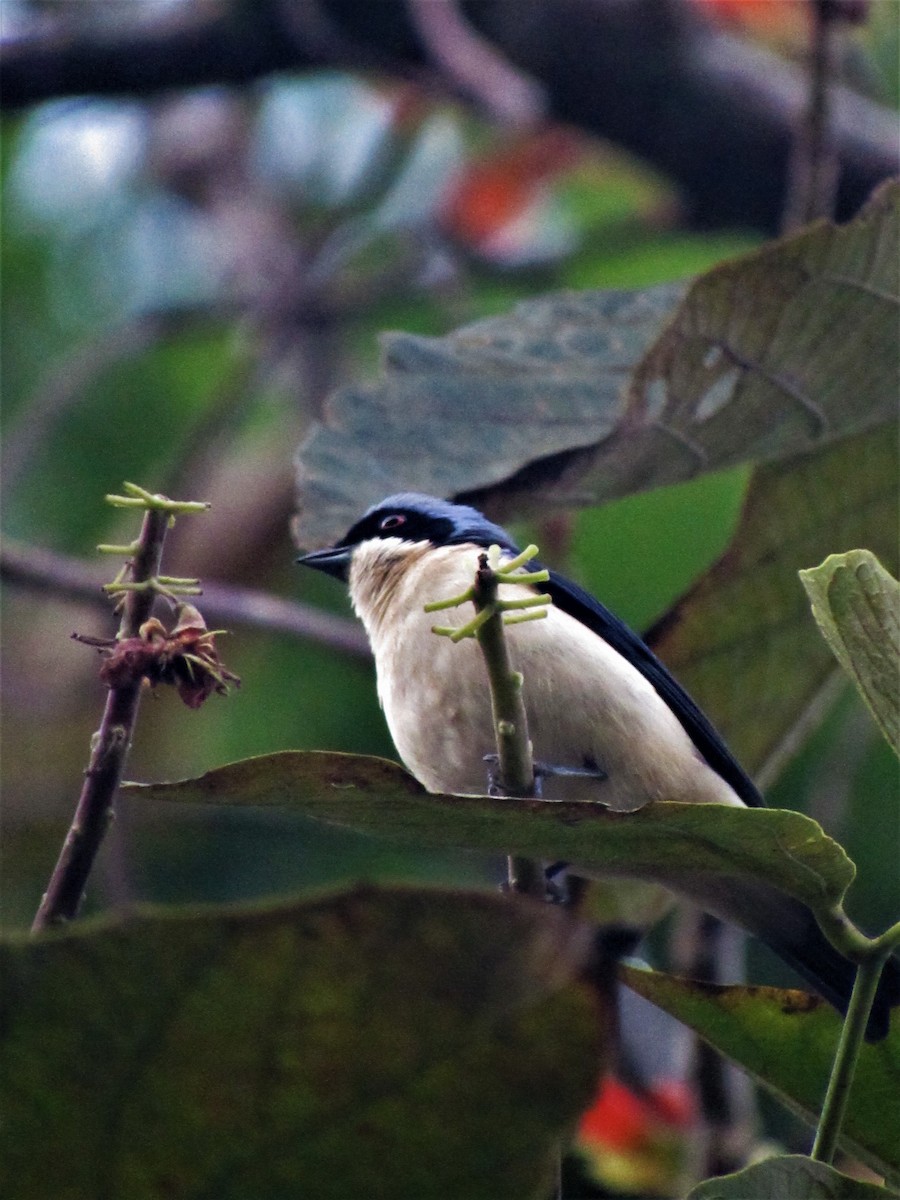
[[516, 767], [852, 942], [507, 705], [852, 1033], [843, 934], [887, 941], [138, 497]]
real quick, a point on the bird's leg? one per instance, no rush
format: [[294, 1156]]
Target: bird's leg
[[542, 770], [495, 788], [590, 770], [557, 882]]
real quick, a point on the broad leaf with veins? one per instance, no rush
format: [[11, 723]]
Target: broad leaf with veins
[[743, 640], [423, 1043], [581, 397]]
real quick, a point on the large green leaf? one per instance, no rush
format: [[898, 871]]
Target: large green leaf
[[579, 397], [786, 1040], [471, 409], [687, 846], [404, 1044], [742, 639], [856, 603], [789, 1177]]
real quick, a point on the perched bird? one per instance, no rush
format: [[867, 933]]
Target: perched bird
[[600, 706]]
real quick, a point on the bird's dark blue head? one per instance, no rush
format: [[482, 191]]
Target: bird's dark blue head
[[411, 517]]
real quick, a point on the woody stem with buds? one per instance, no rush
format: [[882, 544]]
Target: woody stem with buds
[[516, 768], [510, 722], [112, 741]]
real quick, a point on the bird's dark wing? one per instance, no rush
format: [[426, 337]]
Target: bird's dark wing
[[590, 612], [783, 923]]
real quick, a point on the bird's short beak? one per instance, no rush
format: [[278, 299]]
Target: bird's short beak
[[334, 560]]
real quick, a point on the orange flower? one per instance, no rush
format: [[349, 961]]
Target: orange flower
[[637, 1143], [489, 195], [785, 22], [782, 21]]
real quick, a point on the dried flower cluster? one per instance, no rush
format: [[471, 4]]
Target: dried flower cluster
[[185, 657]]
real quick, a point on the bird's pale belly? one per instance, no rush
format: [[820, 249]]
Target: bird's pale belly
[[587, 709]]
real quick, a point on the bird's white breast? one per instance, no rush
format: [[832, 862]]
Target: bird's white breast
[[586, 705]]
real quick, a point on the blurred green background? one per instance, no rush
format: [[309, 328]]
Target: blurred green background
[[185, 281]]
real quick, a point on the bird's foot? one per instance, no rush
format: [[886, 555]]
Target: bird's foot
[[542, 770], [589, 770]]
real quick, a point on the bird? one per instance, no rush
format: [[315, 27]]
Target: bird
[[608, 722]]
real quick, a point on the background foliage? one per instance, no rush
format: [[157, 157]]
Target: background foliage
[[188, 277]]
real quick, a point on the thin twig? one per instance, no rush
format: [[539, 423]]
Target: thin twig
[[70, 578], [813, 165], [516, 765], [473, 65], [109, 746], [870, 955], [728, 1125]]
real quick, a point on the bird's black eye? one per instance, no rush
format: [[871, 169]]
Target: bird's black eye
[[394, 521]]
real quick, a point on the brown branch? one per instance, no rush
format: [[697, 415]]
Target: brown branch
[[713, 113], [230, 43], [813, 165], [109, 746], [479, 71], [70, 578], [728, 1117]]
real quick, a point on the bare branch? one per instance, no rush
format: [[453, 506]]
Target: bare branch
[[813, 168], [474, 65], [109, 745], [70, 578], [704, 948]]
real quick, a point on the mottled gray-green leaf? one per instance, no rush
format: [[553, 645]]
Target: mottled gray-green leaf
[[742, 640], [470, 410], [407, 1044], [690, 847], [789, 1177], [856, 603], [577, 398], [786, 1040]]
